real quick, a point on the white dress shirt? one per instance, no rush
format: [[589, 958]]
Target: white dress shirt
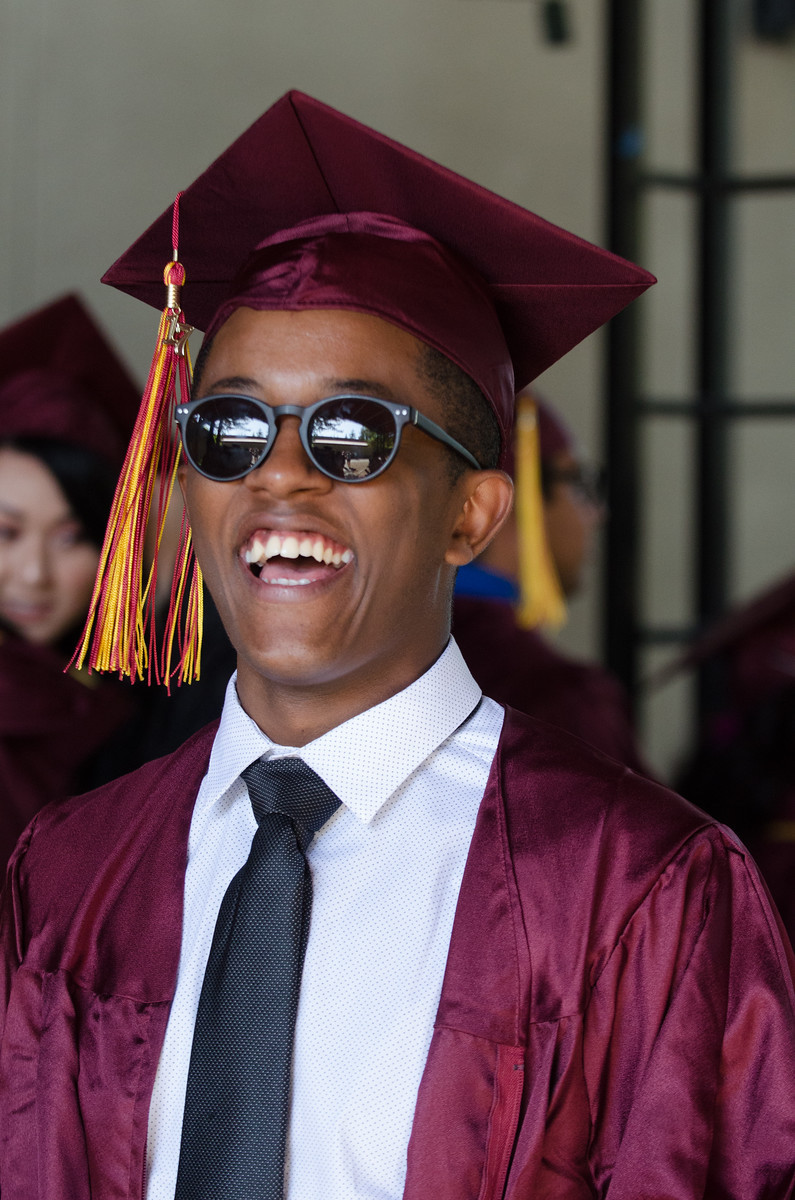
[[386, 871]]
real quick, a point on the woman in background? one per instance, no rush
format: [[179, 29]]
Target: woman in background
[[66, 408]]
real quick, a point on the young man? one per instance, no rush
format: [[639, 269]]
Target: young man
[[376, 937]]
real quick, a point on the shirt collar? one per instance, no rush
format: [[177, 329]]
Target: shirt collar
[[367, 758]]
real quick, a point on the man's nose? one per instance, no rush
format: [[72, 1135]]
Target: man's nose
[[287, 467]]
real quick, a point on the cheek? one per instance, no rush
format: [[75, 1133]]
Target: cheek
[[74, 572], [204, 502], [5, 563], [14, 556]]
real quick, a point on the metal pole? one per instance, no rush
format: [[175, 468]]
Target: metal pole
[[621, 437], [713, 317]]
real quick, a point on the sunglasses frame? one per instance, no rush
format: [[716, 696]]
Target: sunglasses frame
[[402, 415]]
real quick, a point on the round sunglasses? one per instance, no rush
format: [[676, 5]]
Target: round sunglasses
[[349, 438]]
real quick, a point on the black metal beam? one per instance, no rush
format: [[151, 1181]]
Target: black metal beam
[[760, 409], [703, 183], [621, 574], [711, 568]]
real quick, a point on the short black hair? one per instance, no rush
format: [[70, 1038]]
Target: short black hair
[[468, 416], [201, 363]]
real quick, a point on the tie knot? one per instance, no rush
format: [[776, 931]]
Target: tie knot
[[290, 787]]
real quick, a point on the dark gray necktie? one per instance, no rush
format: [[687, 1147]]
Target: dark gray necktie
[[237, 1102]]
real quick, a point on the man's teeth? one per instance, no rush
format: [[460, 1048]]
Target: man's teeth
[[289, 546]]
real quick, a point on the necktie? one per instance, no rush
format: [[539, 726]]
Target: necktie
[[234, 1128]]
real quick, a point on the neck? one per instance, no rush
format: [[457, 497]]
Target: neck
[[295, 713]]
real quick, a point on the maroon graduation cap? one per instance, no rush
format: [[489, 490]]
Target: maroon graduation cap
[[756, 639], [61, 378], [310, 209], [302, 162]]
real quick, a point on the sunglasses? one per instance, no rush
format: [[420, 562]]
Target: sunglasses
[[349, 438]]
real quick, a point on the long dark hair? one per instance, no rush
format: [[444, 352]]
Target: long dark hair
[[87, 481]]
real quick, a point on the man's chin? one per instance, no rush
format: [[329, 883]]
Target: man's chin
[[297, 668]]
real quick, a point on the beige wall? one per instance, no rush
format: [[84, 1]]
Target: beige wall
[[762, 346], [108, 109]]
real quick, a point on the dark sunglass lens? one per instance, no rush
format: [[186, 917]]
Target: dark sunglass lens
[[352, 438], [226, 436]]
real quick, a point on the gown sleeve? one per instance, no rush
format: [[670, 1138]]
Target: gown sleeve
[[11, 924], [689, 1039]]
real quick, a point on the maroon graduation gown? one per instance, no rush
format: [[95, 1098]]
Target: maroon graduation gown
[[51, 724], [519, 668], [617, 1017]]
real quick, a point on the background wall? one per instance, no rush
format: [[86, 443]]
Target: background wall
[[107, 109], [761, 366]]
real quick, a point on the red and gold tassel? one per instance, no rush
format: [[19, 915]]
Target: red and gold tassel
[[120, 633], [541, 599]]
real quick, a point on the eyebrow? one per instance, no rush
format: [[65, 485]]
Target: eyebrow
[[232, 383], [331, 387]]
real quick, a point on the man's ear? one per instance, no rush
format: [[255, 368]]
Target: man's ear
[[487, 503]]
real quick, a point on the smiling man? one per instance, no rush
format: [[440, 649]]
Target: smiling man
[[374, 936], [319, 642]]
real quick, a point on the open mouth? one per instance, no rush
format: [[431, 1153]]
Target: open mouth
[[291, 558]]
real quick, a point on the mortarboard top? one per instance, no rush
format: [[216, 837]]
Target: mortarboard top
[[309, 209], [303, 160], [61, 378], [757, 639]]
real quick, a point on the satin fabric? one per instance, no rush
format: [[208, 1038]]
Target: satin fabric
[[617, 1018], [379, 265], [51, 725], [518, 667], [302, 161]]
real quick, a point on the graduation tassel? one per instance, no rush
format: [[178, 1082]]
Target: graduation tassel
[[120, 633], [541, 599]]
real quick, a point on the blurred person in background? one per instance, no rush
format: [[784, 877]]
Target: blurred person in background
[[66, 406], [499, 608], [742, 770]]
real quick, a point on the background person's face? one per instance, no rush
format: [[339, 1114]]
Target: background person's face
[[375, 620], [47, 567], [570, 519]]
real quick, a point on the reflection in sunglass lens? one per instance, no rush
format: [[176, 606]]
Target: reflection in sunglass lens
[[225, 438], [352, 438]]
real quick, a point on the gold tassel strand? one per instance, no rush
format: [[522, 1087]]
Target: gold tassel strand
[[541, 599], [120, 632]]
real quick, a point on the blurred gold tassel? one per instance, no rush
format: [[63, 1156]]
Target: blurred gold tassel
[[541, 599]]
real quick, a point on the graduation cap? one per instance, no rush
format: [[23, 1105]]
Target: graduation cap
[[309, 208], [756, 639], [303, 160], [60, 378]]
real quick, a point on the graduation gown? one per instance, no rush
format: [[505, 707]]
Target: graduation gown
[[742, 769], [51, 726], [617, 1017], [518, 667]]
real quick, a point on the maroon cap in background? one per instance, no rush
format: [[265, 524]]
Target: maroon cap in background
[[61, 378]]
